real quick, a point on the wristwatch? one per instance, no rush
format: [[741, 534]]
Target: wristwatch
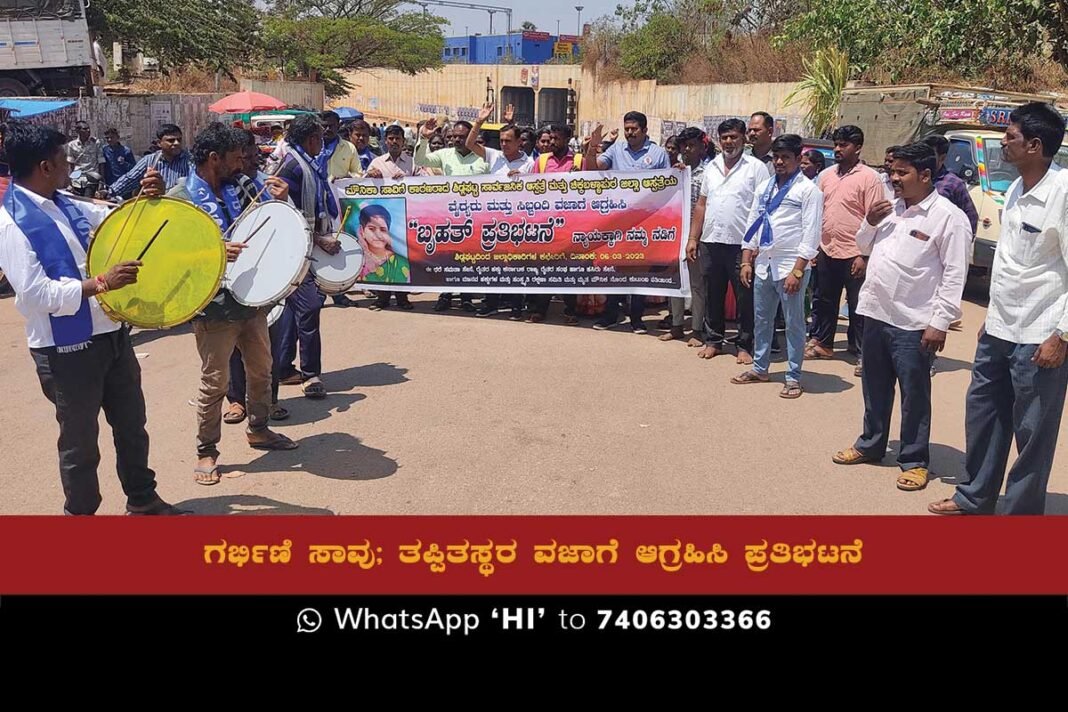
[[798, 273], [1062, 335]]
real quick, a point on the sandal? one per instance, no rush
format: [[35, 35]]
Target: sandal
[[570, 319], [818, 352], [912, 480], [946, 506], [791, 390], [748, 377], [850, 456], [279, 413], [207, 475], [235, 414], [314, 389], [294, 379], [272, 441]]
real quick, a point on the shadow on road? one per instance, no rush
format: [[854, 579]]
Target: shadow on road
[[337, 456], [247, 504]]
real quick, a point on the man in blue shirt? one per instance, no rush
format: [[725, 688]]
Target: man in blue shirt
[[118, 159], [171, 161], [636, 153]]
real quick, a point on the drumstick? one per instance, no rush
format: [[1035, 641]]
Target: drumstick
[[153, 239], [125, 223], [344, 219], [253, 233]]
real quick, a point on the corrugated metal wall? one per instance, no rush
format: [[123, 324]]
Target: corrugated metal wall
[[455, 90], [309, 94], [139, 117], [458, 89]]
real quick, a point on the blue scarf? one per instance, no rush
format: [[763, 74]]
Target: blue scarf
[[324, 196], [322, 161], [205, 199], [70, 333], [768, 204]]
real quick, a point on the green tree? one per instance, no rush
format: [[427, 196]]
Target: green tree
[[224, 35], [902, 37], [528, 26], [319, 38], [656, 49]]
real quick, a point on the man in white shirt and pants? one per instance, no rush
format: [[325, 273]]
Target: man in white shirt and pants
[[919, 247], [782, 239], [84, 360], [717, 227], [1019, 376]]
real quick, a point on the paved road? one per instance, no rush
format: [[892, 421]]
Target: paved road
[[448, 414]]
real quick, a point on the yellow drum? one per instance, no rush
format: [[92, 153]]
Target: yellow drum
[[183, 254]]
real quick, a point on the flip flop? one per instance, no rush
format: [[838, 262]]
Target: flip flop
[[212, 476], [850, 456], [314, 389], [235, 414], [279, 413], [791, 391], [747, 378], [276, 441], [946, 506], [912, 480]]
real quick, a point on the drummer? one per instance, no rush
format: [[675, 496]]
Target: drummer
[[309, 187], [251, 180], [225, 324], [84, 361]]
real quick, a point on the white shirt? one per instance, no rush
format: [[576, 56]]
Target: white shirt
[[918, 265], [795, 229], [888, 187], [1029, 277], [499, 165], [728, 197], [37, 296]]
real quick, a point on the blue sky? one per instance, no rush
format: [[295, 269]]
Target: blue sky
[[543, 13]]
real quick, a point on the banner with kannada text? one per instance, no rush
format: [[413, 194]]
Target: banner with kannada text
[[582, 233]]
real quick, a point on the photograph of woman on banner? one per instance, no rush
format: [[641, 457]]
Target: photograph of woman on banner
[[385, 256]]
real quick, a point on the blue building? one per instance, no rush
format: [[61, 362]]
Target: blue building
[[518, 47]]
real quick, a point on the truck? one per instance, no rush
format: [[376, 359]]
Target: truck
[[45, 48], [973, 119]]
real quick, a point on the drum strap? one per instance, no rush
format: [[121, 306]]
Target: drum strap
[[70, 333]]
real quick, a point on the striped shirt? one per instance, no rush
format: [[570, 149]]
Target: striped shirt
[[172, 172]]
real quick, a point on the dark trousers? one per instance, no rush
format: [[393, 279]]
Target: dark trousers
[[299, 324], [834, 275], [511, 301], [104, 375], [382, 297], [539, 304], [892, 355], [238, 386], [1010, 397], [637, 307], [721, 265]]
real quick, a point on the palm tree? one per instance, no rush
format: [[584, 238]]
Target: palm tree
[[820, 89]]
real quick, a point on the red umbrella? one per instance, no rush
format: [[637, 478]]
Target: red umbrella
[[244, 102]]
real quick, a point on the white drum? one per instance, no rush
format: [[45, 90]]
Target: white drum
[[276, 313], [276, 257], [336, 274]]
